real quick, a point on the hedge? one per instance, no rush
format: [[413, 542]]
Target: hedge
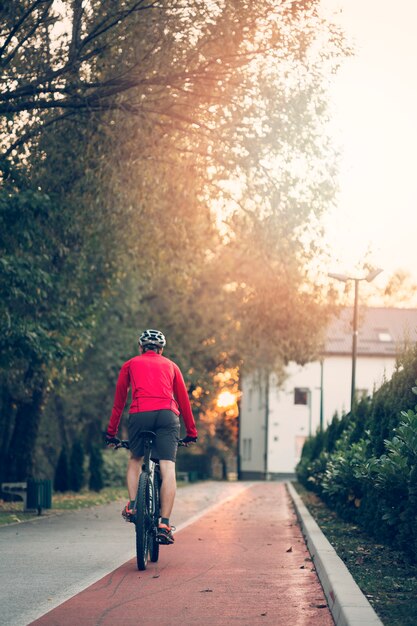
[[364, 465]]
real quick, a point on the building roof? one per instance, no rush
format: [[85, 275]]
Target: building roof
[[381, 331]]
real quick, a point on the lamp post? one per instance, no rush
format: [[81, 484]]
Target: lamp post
[[370, 277]]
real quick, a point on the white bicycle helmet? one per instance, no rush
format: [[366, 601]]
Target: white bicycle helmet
[[151, 337]]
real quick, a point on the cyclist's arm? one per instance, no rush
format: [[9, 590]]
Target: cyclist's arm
[[181, 396], [120, 397]]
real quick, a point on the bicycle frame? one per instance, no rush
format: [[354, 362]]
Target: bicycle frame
[[147, 506], [147, 503]]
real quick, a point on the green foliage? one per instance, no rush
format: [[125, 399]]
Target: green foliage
[[76, 466], [118, 157], [366, 480], [343, 478], [114, 468], [62, 479]]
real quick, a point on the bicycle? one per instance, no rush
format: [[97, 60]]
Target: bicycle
[[147, 503]]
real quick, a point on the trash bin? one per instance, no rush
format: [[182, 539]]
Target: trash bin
[[39, 495]]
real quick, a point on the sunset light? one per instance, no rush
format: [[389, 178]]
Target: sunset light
[[226, 399]]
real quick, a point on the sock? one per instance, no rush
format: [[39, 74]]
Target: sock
[[165, 520]]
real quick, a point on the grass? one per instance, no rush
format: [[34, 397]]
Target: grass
[[384, 576], [12, 512]]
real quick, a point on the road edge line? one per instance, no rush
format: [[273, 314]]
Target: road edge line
[[212, 507], [347, 603]]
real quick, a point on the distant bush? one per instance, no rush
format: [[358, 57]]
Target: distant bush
[[364, 465], [76, 467], [114, 467], [61, 478]]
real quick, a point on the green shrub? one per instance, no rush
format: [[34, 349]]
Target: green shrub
[[114, 467], [76, 469], [344, 477], [61, 478], [365, 464]]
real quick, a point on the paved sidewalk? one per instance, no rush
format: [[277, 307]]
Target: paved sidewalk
[[243, 562], [48, 560]]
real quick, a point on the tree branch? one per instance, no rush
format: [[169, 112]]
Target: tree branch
[[31, 31], [19, 23], [77, 13], [36, 131], [120, 17]]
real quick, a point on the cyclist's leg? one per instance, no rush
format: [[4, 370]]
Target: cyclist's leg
[[167, 432], [168, 487], [137, 422], [132, 475]]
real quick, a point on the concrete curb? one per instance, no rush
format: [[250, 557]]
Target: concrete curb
[[348, 605]]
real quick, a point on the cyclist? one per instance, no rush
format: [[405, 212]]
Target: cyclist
[[159, 397]]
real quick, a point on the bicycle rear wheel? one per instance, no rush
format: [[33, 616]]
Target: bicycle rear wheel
[[143, 517], [154, 544]]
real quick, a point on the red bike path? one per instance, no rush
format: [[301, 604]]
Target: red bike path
[[244, 561]]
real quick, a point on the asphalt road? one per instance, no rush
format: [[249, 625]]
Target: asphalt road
[[46, 561], [242, 562]]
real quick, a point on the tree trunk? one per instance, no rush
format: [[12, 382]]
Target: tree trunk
[[19, 457], [7, 417]]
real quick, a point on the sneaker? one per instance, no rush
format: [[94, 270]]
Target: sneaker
[[164, 534], [128, 514]]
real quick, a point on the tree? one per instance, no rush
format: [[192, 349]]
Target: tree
[[400, 290], [50, 251], [122, 133]]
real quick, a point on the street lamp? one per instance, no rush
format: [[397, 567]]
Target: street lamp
[[370, 277]]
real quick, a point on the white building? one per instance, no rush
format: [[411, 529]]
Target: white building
[[275, 421]]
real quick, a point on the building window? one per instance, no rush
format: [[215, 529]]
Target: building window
[[301, 395], [384, 336], [247, 450]]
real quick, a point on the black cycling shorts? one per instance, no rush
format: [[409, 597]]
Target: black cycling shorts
[[164, 423]]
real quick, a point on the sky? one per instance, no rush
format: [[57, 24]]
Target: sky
[[374, 124]]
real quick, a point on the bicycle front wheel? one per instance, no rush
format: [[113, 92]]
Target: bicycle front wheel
[[154, 544], [143, 518]]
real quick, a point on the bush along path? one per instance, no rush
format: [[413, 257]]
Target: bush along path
[[363, 469], [388, 581], [364, 466]]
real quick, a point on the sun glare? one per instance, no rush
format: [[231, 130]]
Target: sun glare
[[226, 399]]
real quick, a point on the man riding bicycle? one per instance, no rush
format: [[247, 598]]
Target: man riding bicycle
[[159, 397]]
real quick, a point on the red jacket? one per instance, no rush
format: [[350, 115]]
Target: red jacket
[[156, 383]]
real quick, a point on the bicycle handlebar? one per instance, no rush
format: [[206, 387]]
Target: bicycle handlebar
[[124, 443]]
